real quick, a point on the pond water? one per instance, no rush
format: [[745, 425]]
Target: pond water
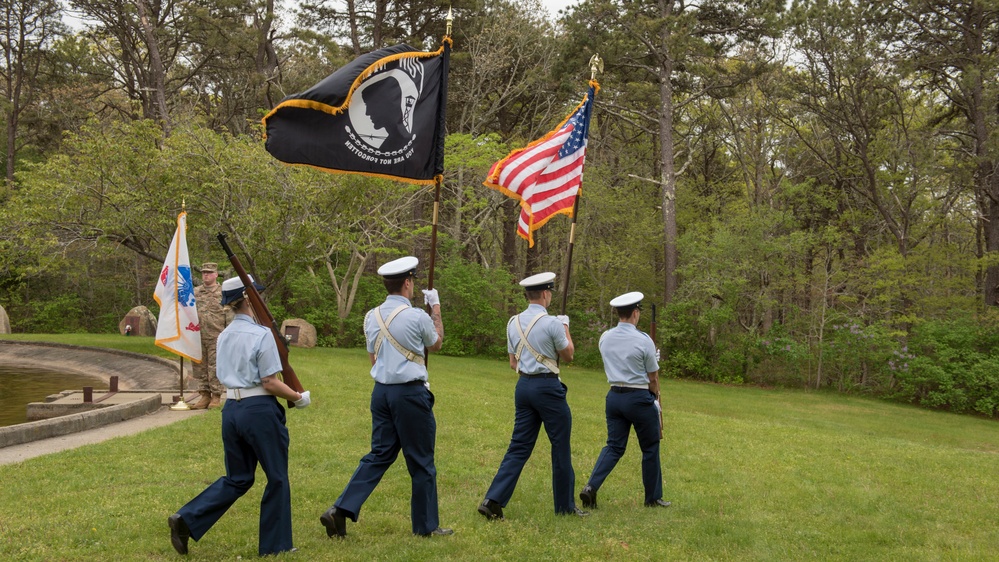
[[20, 386]]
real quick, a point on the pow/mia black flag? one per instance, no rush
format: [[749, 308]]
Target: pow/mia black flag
[[381, 115]]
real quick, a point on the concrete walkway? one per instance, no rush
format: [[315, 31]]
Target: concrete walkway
[[25, 451]]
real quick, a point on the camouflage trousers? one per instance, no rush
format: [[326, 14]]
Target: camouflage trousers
[[204, 372]]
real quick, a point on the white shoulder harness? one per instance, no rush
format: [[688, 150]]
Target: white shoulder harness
[[384, 334], [548, 362]]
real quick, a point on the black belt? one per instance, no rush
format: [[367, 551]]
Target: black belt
[[414, 383], [545, 375], [627, 389]]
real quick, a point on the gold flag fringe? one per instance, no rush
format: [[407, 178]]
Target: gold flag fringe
[[493, 179], [364, 75]]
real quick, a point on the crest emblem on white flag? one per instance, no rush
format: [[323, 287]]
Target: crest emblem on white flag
[[178, 329]]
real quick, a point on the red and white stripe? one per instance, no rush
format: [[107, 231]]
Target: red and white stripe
[[545, 183]]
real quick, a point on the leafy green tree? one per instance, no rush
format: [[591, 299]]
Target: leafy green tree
[[120, 186], [874, 140], [953, 45], [665, 54], [373, 24], [27, 29]]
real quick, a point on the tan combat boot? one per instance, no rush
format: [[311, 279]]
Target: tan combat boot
[[206, 399], [216, 401]]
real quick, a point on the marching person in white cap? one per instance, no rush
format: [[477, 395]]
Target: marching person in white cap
[[402, 415], [535, 341], [632, 367], [253, 431]]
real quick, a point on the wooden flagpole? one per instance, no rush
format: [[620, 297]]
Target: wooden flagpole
[[437, 206], [568, 258], [596, 63], [433, 233]]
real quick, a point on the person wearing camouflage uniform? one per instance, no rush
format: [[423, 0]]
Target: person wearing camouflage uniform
[[213, 318]]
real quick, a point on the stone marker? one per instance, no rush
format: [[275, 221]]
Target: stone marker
[[299, 332], [142, 321], [4, 321]]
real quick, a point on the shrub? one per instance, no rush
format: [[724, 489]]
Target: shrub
[[473, 299], [952, 365], [856, 357], [57, 315]]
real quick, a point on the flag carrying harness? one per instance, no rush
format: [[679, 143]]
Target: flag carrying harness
[[543, 359], [384, 334]]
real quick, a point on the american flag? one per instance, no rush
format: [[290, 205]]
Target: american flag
[[546, 175]]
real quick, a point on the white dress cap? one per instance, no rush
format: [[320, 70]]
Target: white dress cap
[[627, 299], [234, 283], [539, 282], [402, 267], [232, 289]]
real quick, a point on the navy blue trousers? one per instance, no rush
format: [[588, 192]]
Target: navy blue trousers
[[538, 401], [402, 417], [624, 410], [253, 430]]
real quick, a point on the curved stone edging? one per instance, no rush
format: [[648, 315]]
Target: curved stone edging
[[62, 425], [135, 371]]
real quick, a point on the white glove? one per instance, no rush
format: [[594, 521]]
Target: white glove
[[563, 319], [659, 408], [657, 355], [431, 297], [304, 401]]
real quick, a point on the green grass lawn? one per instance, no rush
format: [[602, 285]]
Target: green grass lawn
[[753, 474]]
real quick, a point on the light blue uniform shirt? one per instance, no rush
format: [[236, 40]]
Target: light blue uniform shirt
[[547, 338], [412, 328], [245, 353], [629, 355]]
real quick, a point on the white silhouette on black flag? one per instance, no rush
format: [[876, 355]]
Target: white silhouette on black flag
[[380, 115]]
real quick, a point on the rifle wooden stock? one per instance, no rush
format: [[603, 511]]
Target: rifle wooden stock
[[652, 334], [265, 318]]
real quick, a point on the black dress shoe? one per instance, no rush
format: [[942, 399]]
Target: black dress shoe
[[439, 532], [658, 503], [588, 496], [335, 522], [490, 509], [179, 533]]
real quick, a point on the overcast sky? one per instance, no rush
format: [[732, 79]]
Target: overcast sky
[[555, 5]]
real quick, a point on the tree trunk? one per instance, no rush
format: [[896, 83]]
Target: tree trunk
[[668, 177], [355, 41], [990, 228], [668, 171], [510, 213], [11, 115], [266, 58], [378, 25], [156, 63], [534, 256]]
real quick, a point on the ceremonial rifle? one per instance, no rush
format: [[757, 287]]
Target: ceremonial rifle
[[652, 334], [265, 318]]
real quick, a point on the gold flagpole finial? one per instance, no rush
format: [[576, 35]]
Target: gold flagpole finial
[[450, 20], [183, 204], [596, 65]]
